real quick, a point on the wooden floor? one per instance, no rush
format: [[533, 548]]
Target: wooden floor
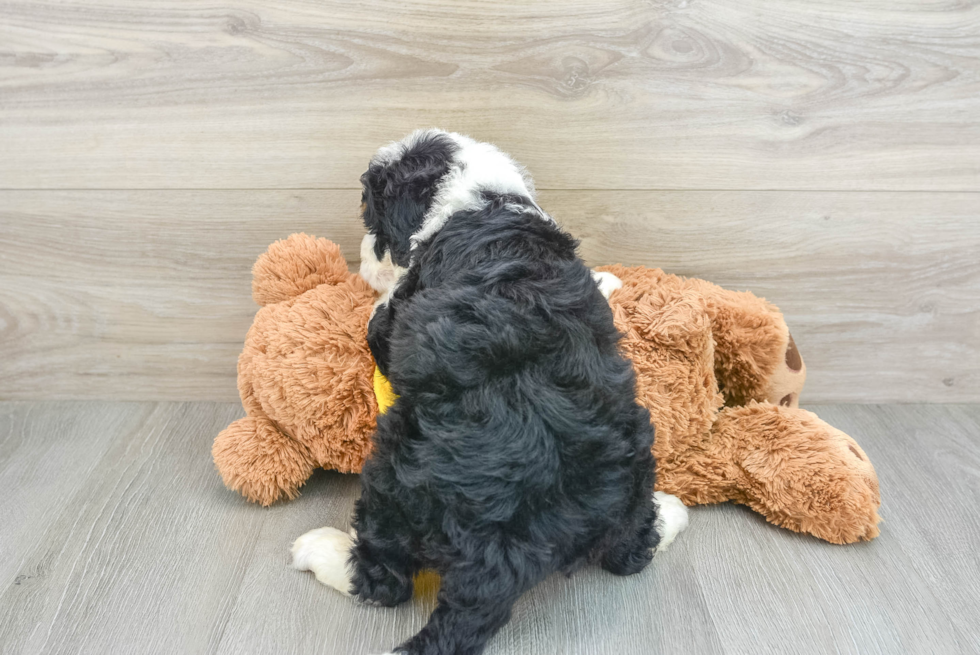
[[116, 536]]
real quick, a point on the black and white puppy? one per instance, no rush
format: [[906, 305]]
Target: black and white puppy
[[516, 447]]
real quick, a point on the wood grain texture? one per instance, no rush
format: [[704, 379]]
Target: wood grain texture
[[140, 549], [899, 597], [707, 94], [141, 296], [145, 295], [146, 554], [42, 467]]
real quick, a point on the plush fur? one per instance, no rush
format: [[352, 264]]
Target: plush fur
[[304, 375], [717, 369], [306, 383], [686, 335], [516, 447]]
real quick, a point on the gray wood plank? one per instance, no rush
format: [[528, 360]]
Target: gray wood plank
[[48, 451], [148, 553], [145, 295], [929, 467], [146, 556], [733, 584], [715, 94], [779, 592], [283, 610], [881, 291], [141, 295]]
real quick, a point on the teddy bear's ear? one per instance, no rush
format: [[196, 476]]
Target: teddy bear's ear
[[296, 265]]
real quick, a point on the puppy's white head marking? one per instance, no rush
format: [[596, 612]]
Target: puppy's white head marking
[[477, 168], [413, 186], [380, 274]]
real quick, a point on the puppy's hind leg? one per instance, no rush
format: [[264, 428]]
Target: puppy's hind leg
[[671, 518], [385, 551], [634, 548], [384, 562], [326, 552], [375, 562], [653, 528]]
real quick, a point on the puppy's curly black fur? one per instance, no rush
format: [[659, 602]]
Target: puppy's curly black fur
[[515, 448]]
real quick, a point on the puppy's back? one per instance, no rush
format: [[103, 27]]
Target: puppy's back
[[521, 408]]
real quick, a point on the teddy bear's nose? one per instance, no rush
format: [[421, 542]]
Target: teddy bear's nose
[[793, 360]]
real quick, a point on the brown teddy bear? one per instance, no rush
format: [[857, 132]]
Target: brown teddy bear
[[717, 369]]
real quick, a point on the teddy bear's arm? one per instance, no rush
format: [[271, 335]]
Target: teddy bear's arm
[[755, 355]]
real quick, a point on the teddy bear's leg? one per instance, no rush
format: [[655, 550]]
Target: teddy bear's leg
[[257, 460], [799, 472], [755, 355]]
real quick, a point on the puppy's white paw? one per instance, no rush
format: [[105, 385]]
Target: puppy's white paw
[[671, 518], [607, 283], [326, 552]]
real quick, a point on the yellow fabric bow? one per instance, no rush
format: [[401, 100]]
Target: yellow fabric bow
[[382, 389]]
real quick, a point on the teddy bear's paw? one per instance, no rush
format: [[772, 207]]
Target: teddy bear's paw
[[672, 518], [607, 283], [326, 552]]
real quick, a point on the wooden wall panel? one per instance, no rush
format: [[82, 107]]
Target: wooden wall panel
[[706, 94], [146, 294], [825, 154]]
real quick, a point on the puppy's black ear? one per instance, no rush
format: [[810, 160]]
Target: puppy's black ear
[[379, 337], [373, 208], [399, 190]]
